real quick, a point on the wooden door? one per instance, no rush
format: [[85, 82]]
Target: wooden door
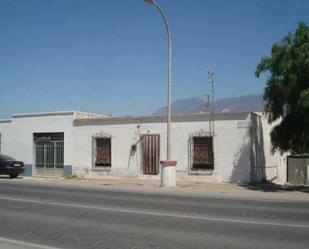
[[150, 154]]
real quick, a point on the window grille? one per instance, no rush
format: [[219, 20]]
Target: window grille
[[201, 158], [103, 149], [49, 150]]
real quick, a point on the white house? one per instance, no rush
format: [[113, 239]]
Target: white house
[[65, 143]]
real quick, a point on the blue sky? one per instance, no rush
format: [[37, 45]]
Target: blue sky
[[108, 56]]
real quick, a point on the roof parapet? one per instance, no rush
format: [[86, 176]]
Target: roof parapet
[[192, 117], [75, 114]]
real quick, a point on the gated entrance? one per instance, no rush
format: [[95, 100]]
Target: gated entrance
[[150, 148], [49, 153], [298, 170]]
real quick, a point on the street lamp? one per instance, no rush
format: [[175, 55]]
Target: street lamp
[[169, 77]]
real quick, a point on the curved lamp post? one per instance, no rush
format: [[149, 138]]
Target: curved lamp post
[[169, 77]]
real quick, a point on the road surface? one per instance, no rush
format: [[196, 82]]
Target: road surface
[[39, 215]]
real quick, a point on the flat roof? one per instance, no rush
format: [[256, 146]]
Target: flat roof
[[5, 120], [190, 117], [59, 113], [84, 118], [40, 114]]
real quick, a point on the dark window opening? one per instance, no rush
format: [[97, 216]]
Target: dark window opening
[[203, 153], [103, 152]]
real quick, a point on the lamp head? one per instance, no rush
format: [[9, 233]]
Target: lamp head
[[149, 1]]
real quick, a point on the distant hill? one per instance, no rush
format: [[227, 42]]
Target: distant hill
[[246, 103]]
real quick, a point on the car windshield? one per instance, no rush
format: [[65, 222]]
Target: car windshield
[[6, 158]]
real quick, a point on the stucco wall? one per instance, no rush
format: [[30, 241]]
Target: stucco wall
[[124, 163], [4, 131], [17, 136], [275, 162], [231, 147], [232, 142]]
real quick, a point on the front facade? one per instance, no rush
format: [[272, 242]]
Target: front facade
[[63, 143]]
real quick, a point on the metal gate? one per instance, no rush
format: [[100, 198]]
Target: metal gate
[[49, 154], [150, 148], [298, 170]]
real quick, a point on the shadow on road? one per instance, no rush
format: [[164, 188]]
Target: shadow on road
[[9, 178], [271, 187]]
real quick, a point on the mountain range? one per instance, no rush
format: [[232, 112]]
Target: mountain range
[[253, 103]]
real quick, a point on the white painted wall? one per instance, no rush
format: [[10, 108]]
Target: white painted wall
[[231, 145], [232, 160], [123, 137], [276, 165], [4, 130], [17, 136]]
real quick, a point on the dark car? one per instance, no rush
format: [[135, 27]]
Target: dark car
[[10, 166]]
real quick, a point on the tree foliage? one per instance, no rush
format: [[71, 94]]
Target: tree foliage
[[287, 91]]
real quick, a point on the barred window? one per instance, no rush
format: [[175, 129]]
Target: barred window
[[103, 152], [203, 153]]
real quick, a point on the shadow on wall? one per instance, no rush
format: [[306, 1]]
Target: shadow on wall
[[257, 153], [241, 164], [249, 165]]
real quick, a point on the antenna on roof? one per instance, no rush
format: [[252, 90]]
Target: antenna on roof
[[211, 81], [205, 107]]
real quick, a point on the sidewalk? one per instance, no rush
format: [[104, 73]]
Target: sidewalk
[[186, 187]]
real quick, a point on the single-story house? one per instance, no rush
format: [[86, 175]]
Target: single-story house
[[219, 147]]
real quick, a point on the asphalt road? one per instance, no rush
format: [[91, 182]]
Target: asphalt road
[[38, 215]]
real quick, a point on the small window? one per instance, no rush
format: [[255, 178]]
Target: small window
[[202, 153], [103, 152]]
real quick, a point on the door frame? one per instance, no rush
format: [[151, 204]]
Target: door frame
[[158, 154]]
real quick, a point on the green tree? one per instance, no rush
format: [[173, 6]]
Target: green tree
[[287, 91]]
